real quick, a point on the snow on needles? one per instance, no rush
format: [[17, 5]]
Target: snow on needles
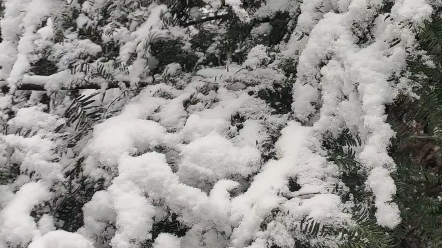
[[354, 87], [197, 144], [34, 11], [17, 227]]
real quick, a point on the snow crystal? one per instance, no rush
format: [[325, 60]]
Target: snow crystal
[[46, 33]]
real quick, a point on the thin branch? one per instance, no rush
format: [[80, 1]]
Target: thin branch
[[38, 87], [38, 84], [425, 137], [207, 19]]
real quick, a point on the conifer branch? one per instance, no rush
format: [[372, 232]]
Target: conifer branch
[[207, 19], [425, 137], [38, 87], [35, 87]]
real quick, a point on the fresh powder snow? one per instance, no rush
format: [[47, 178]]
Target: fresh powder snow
[[172, 145]]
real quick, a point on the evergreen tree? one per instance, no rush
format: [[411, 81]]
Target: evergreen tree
[[220, 123]]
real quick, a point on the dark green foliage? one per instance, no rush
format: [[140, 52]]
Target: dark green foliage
[[82, 113], [366, 232], [111, 50], [416, 147], [268, 150], [43, 67], [68, 208], [293, 185], [279, 28], [311, 229], [170, 51], [9, 173], [169, 224], [289, 67], [418, 192], [341, 152], [418, 189], [417, 144], [191, 100], [179, 9], [163, 94], [430, 37], [237, 121], [418, 179], [279, 97], [201, 41]]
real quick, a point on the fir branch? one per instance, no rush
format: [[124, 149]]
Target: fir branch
[[207, 19], [88, 86]]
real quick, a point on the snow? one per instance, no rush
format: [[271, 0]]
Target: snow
[[193, 143], [387, 211], [140, 38], [61, 239], [172, 69], [34, 12], [17, 227], [46, 224], [262, 29], [166, 240], [5, 102], [256, 57], [35, 154], [198, 156], [128, 135], [134, 214], [98, 214], [368, 70], [415, 10], [33, 117], [296, 161], [240, 12], [271, 7]]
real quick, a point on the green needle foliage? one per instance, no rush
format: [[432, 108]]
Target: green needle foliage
[[416, 148]]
